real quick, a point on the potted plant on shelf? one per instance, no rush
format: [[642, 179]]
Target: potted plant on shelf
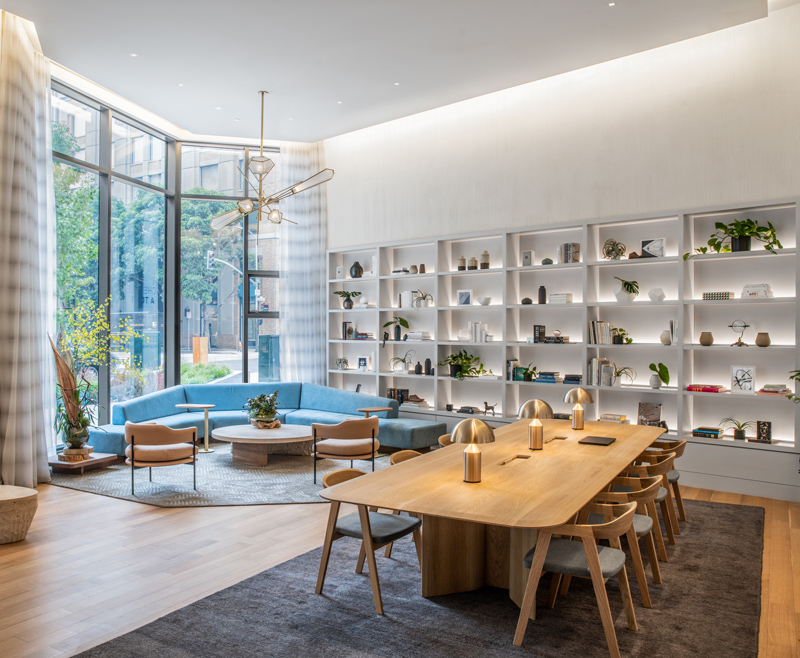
[[397, 322], [342, 363], [738, 235], [738, 427], [421, 299], [626, 291], [261, 411], [528, 373], [400, 364], [624, 371], [463, 365], [620, 336], [661, 375], [347, 297]]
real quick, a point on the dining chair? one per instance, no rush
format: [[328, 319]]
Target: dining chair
[[678, 447], [151, 445], [445, 441], [581, 556], [351, 439], [383, 529], [654, 465], [397, 458]]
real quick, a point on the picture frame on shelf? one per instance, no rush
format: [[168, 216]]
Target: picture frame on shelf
[[654, 248], [649, 414], [463, 298], [764, 431], [340, 272], [363, 363], [743, 380], [528, 257]]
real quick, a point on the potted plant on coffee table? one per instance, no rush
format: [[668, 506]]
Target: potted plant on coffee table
[[261, 411]]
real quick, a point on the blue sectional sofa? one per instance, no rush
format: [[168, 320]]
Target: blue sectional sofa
[[300, 404]]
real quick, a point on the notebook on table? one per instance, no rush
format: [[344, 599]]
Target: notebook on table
[[598, 440]]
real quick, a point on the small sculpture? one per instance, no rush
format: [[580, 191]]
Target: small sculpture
[[488, 407], [613, 250]]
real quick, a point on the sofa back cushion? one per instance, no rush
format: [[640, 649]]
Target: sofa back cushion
[[147, 407], [324, 398], [232, 397]]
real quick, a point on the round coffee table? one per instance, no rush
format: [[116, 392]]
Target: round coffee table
[[252, 446]]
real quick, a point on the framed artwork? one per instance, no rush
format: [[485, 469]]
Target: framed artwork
[[649, 414], [340, 272], [764, 431], [743, 380], [464, 298], [528, 257], [363, 363], [655, 248]]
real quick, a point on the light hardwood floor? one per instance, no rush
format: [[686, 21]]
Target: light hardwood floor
[[94, 567]]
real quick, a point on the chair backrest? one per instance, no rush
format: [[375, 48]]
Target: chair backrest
[[403, 455], [152, 434], [665, 447], [445, 440], [648, 465], [619, 519], [645, 489], [361, 428], [342, 475]]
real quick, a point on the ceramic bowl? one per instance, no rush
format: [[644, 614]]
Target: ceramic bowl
[[483, 301]]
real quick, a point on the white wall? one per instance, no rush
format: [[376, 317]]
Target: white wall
[[710, 121]]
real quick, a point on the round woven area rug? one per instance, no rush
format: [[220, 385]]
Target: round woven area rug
[[287, 479]]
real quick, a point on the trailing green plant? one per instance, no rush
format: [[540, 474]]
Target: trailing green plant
[[662, 371], [732, 423], [471, 366], [720, 240], [405, 359], [529, 371], [397, 320], [631, 287], [794, 375], [420, 297], [344, 294], [625, 371], [262, 406], [619, 331]]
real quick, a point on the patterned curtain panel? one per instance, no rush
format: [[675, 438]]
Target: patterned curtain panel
[[27, 257], [302, 287]]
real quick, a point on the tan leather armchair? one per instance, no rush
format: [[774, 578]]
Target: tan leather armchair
[[158, 445]]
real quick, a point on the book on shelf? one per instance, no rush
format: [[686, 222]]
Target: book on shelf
[[617, 417], [560, 298], [707, 432], [618, 422], [783, 392], [706, 388], [600, 333], [573, 379], [595, 370], [538, 333], [555, 340], [607, 374], [510, 367], [569, 252], [560, 416]]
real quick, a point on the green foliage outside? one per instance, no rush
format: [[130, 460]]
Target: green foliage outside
[[202, 373]]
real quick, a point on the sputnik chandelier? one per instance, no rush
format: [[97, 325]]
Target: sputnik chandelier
[[260, 166]]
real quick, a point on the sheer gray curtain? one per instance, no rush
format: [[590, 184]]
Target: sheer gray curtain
[[27, 257], [302, 287]]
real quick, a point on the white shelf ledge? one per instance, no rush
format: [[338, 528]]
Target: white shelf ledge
[[489, 270], [553, 266], [424, 275], [667, 303], [735, 300], [635, 261], [733, 348], [636, 388], [741, 254]]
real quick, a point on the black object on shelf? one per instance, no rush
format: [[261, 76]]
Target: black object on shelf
[[542, 295], [428, 366], [356, 271], [418, 368]]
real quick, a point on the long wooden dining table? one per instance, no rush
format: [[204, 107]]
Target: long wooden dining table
[[476, 534]]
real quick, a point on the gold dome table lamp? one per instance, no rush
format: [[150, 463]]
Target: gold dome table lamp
[[472, 431], [535, 409], [578, 397]]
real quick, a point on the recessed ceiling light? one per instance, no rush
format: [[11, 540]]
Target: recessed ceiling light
[[134, 55], [339, 102], [180, 84], [396, 84], [611, 4], [237, 120], [290, 119], [217, 108]]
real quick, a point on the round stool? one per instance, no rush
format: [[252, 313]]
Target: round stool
[[17, 507]]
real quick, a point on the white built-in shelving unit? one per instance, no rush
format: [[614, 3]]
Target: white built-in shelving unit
[[749, 468]]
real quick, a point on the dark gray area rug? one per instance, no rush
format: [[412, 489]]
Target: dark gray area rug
[[709, 605]]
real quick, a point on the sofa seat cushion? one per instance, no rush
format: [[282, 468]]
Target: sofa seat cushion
[[325, 398], [410, 434], [311, 416], [109, 439], [194, 419], [383, 527], [346, 447], [232, 397], [148, 407], [167, 453]]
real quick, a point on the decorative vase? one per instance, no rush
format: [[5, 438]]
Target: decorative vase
[[412, 269], [739, 434], [462, 263], [762, 339], [356, 271], [397, 332], [706, 338], [617, 340], [473, 263], [428, 366], [263, 422], [455, 370], [485, 260], [655, 381], [422, 268], [527, 377], [418, 368], [342, 363], [740, 244], [400, 367], [76, 438], [622, 295], [542, 295], [656, 295], [348, 303], [665, 337]]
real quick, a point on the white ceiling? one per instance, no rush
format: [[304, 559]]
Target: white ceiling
[[312, 54]]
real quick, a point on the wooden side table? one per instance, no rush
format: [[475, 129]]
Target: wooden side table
[[17, 507], [205, 408], [373, 410]]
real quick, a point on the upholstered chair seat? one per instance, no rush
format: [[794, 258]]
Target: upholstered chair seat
[[346, 449], [177, 452]]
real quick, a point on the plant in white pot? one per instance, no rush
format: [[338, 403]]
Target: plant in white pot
[[400, 364], [422, 299], [661, 375], [625, 372], [626, 291]]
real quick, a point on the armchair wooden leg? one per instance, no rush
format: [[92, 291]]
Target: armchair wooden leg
[[529, 600], [388, 551], [662, 549], [667, 521], [599, 585], [673, 517], [362, 555], [417, 536], [638, 567], [624, 585], [676, 493], [326, 546], [552, 593], [653, 558], [565, 582], [366, 532]]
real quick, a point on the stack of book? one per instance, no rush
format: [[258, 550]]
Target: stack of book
[[549, 377], [414, 400], [614, 418], [707, 432], [510, 368], [561, 298], [364, 335], [573, 380], [595, 370], [757, 291], [707, 388], [599, 333], [416, 336], [569, 252], [774, 389]]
